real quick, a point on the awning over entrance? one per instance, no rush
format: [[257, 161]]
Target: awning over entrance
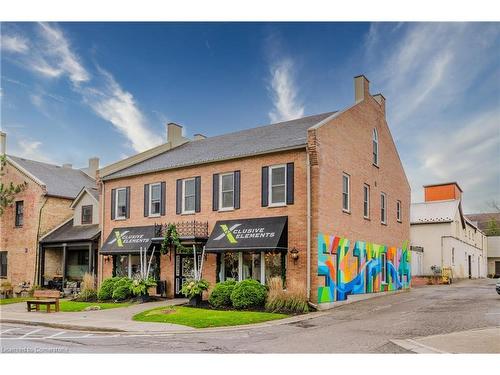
[[259, 234], [128, 240]]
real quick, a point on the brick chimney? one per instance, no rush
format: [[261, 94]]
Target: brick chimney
[[442, 192], [174, 134], [361, 88], [93, 167], [3, 143], [380, 100]]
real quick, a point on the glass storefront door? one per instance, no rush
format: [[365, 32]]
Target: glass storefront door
[[184, 269]]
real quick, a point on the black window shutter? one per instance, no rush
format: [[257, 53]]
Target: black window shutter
[[289, 183], [128, 201], [237, 189], [265, 186], [146, 200], [215, 192], [113, 203], [197, 192], [163, 198], [178, 195]]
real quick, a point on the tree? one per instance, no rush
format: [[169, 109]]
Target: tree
[[8, 191], [493, 228]]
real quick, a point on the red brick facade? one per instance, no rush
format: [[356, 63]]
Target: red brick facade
[[42, 213]]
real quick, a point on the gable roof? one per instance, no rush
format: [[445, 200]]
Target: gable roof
[[255, 141], [59, 181], [92, 191], [482, 221], [68, 232], [434, 212]]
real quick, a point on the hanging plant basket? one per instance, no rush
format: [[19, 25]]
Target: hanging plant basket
[[171, 240]]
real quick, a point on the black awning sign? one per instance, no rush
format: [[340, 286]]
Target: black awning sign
[[249, 234], [126, 240]]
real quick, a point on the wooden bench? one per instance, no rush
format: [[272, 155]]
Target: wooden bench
[[44, 297]]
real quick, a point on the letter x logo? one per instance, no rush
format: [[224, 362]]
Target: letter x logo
[[118, 238], [227, 232]]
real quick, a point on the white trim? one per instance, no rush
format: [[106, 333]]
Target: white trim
[[116, 204], [399, 216], [151, 200], [80, 195], [220, 192], [183, 211], [26, 172], [383, 219], [375, 140], [270, 189], [348, 209], [367, 201]]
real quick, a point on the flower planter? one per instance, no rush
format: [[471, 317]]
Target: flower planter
[[195, 301]]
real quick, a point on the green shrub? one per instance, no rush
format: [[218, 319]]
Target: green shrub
[[293, 300], [221, 295], [248, 293], [106, 290], [122, 289], [87, 295]]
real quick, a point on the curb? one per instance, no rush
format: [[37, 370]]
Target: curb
[[416, 347], [326, 310]]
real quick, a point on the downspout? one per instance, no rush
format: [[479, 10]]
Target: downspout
[[100, 258], [308, 188], [37, 247]]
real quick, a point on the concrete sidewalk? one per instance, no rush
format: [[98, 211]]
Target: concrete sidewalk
[[111, 320], [485, 340]]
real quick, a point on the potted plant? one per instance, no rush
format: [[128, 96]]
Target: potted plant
[[140, 287], [193, 289]]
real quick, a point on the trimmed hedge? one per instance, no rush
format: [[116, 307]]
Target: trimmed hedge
[[248, 293], [221, 295]]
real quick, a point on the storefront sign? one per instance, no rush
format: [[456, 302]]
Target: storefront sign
[[249, 234], [128, 240]]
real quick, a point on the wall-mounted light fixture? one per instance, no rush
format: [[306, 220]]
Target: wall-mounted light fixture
[[294, 253]]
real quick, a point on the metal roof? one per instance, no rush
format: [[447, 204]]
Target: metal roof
[[59, 181], [434, 212], [70, 233], [264, 139]]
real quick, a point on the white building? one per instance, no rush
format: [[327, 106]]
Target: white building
[[447, 238], [484, 222]]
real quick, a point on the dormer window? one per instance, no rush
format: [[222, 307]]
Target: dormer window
[[87, 214], [375, 147]]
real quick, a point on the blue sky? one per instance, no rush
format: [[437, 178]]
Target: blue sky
[[70, 91]]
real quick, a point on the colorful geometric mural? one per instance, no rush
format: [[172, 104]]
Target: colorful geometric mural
[[364, 268]]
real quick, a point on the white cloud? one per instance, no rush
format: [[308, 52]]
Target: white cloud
[[286, 105], [431, 79], [118, 106], [52, 56], [13, 43], [59, 51], [31, 149]]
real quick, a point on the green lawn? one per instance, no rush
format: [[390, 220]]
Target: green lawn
[[72, 306], [203, 318], [8, 301]]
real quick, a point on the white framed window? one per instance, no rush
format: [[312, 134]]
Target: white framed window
[[383, 268], [375, 146], [155, 199], [366, 201], [398, 211], [121, 203], [383, 209], [277, 184], [188, 196], [226, 191], [346, 195]]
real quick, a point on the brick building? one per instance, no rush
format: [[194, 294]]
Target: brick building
[[322, 201], [41, 207]]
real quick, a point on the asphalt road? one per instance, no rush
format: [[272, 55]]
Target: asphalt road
[[362, 327]]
